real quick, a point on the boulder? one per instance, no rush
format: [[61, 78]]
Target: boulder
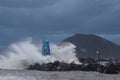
[[108, 69], [87, 65], [56, 66], [36, 66]]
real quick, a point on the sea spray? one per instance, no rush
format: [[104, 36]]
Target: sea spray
[[22, 54]]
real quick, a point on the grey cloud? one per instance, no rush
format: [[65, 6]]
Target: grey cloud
[[89, 14], [38, 18], [26, 3]]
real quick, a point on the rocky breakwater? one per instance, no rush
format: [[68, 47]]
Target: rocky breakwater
[[56, 66], [88, 64]]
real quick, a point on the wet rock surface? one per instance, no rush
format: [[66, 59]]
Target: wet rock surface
[[56, 66], [88, 64], [109, 68]]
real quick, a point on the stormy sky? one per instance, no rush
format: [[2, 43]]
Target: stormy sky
[[58, 19]]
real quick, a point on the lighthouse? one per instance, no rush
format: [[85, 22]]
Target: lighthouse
[[45, 48]]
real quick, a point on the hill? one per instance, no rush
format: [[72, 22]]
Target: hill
[[87, 45]]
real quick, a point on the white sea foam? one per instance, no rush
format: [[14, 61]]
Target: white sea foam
[[22, 54]]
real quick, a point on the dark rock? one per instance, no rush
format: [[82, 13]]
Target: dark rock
[[109, 68], [56, 66], [89, 64], [89, 67], [87, 60], [36, 66], [75, 66], [47, 67], [56, 63], [64, 67], [100, 68]]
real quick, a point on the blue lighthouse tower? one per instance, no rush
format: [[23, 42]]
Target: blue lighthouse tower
[[45, 48]]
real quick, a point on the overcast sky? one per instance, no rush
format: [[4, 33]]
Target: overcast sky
[[58, 19]]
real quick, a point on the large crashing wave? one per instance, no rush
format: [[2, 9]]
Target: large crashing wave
[[22, 54]]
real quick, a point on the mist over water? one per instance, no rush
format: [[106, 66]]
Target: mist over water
[[24, 53]]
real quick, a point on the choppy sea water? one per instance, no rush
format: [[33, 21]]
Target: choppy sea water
[[44, 75]]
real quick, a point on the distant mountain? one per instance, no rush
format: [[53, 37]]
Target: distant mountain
[[87, 45]]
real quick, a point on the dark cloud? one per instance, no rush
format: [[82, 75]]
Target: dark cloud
[[57, 19], [26, 3]]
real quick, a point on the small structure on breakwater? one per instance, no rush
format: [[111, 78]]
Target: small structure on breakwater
[[45, 48]]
